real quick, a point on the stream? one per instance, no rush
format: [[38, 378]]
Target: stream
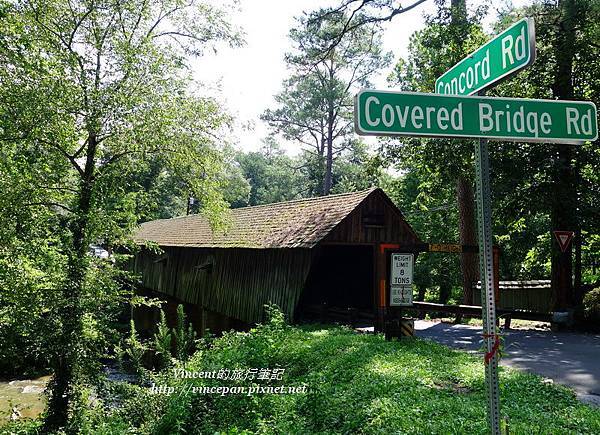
[[24, 398]]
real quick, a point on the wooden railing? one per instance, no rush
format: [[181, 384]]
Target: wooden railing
[[533, 295], [475, 311], [324, 313]]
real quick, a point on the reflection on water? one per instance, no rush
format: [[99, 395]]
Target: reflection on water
[[25, 398], [22, 398]]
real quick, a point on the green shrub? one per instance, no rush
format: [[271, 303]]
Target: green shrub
[[185, 336], [360, 383], [591, 305], [356, 383], [131, 352], [163, 340]]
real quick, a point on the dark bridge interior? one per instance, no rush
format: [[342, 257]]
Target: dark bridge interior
[[341, 278]]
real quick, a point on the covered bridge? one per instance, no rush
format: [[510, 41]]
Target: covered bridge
[[298, 254]]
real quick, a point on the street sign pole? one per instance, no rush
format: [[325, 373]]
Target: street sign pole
[[491, 339], [453, 113]]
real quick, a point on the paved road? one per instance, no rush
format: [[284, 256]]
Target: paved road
[[567, 358]]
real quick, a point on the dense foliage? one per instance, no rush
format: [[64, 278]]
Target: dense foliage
[[102, 127], [95, 100], [273, 176], [591, 306], [526, 180], [354, 383]]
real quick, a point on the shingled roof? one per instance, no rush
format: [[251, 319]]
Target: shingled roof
[[294, 224]]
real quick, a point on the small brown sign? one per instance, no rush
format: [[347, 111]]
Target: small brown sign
[[439, 247]]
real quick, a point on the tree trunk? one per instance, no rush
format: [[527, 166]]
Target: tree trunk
[[458, 10], [467, 231], [328, 182], [445, 283], [445, 291], [564, 199], [562, 219], [469, 266], [329, 162], [68, 350], [421, 289]]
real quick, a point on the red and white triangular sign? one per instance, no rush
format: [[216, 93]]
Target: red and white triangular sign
[[564, 239]]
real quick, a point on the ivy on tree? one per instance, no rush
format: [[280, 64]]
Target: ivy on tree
[[89, 91]]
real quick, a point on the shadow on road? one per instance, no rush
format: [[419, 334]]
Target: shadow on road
[[567, 358]]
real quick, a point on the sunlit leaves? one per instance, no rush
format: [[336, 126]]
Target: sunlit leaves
[[95, 97]]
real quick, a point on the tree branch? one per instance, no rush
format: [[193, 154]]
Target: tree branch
[[349, 26], [49, 204], [65, 154], [67, 189]]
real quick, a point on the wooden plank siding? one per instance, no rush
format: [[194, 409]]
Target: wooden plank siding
[[267, 253], [379, 223], [237, 285], [375, 220]]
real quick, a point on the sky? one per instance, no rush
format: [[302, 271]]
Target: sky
[[246, 78]]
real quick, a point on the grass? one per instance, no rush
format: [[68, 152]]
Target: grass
[[363, 384], [356, 383]]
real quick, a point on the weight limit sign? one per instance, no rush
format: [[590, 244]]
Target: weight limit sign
[[401, 279]]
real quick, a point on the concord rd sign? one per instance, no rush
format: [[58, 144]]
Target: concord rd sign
[[507, 53], [392, 113]]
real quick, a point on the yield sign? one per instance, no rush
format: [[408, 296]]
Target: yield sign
[[564, 239]]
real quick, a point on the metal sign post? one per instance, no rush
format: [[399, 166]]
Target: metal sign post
[[486, 268]]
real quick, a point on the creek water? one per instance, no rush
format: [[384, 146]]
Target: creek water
[[22, 398]]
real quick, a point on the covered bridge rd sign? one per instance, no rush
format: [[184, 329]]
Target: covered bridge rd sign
[[515, 119]]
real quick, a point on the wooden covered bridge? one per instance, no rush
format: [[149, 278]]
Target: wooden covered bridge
[[327, 251]]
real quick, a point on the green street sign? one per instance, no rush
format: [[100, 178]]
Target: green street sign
[[507, 53], [388, 113]]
